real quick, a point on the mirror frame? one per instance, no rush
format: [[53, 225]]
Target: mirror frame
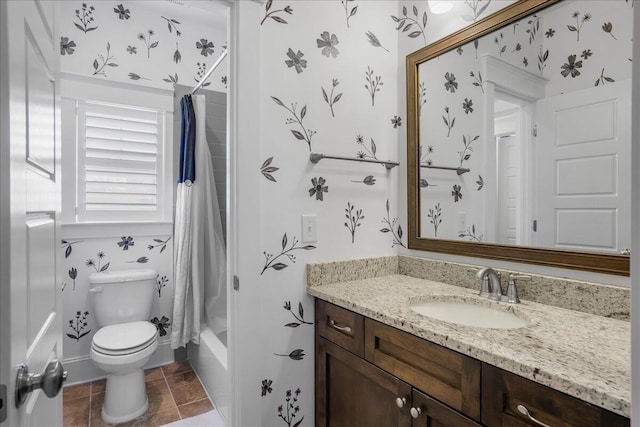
[[588, 261]]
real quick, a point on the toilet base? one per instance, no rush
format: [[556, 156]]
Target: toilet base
[[125, 397]]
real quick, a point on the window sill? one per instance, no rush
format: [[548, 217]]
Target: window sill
[[96, 230]]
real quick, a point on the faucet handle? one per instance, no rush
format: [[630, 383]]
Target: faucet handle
[[512, 290], [521, 277]]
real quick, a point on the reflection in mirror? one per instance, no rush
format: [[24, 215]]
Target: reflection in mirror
[[524, 134]]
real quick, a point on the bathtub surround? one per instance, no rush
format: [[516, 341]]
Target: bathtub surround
[[587, 297]]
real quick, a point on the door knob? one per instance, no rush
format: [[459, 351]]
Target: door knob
[[401, 401], [50, 381], [415, 412]]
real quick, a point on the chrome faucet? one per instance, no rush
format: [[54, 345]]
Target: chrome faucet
[[491, 286], [488, 275]]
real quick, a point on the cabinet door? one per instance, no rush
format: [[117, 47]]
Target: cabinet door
[[352, 392], [503, 392], [431, 413]]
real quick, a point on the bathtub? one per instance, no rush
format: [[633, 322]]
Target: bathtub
[[209, 361]]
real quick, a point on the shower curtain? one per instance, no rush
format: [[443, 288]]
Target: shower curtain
[[199, 248]]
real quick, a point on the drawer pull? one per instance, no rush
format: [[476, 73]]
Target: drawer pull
[[415, 412], [401, 401], [341, 328], [523, 410]]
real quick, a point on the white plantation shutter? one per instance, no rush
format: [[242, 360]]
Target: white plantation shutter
[[119, 163]]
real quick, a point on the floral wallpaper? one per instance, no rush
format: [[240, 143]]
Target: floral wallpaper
[[328, 85], [82, 257], [574, 45], [150, 43]]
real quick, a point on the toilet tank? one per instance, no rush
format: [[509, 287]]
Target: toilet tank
[[122, 296]]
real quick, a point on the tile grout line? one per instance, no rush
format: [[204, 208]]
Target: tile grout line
[[90, 400], [175, 405]]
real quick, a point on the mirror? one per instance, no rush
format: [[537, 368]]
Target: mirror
[[519, 137]]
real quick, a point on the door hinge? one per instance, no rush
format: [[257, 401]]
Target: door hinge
[[236, 283], [534, 227], [3, 403], [534, 131]]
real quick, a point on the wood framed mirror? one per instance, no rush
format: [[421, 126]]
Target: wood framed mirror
[[555, 75]]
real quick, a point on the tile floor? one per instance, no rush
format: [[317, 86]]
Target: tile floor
[[174, 393]]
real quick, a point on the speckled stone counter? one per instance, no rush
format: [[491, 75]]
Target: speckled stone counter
[[584, 355]]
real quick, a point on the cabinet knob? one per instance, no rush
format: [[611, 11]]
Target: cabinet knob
[[415, 412], [401, 401], [524, 411]]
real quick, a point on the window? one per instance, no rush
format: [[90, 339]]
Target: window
[[119, 163]]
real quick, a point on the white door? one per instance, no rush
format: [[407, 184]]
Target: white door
[[508, 189], [30, 306], [583, 169]]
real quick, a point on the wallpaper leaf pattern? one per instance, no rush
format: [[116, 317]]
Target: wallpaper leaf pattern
[[292, 409], [349, 12], [297, 119], [406, 22], [266, 388], [162, 324], [318, 188], [122, 12], [270, 259], [68, 247], [297, 354], [146, 39], [295, 60], [330, 99], [477, 8], [67, 47], [328, 44], [267, 170], [299, 318], [78, 326], [353, 220], [103, 61], [372, 84], [603, 79], [435, 217], [97, 266], [373, 40], [580, 20], [85, 18], [272, 14], [393, 226]]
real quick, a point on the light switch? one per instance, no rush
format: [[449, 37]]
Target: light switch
[[309, 228]]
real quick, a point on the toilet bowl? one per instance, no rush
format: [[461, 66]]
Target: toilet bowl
[[125, 342]]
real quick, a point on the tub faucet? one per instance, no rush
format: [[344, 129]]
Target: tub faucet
[[488, 275]]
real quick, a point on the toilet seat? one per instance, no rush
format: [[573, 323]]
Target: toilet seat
[[124, 338]]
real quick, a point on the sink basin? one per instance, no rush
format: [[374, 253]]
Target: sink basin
[[469, 314]]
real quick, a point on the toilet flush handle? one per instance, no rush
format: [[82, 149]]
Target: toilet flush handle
[[96, 289]]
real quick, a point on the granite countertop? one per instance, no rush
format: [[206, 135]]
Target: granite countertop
[[584, 355]]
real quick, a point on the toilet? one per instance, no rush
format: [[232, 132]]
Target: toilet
[[126, 340]]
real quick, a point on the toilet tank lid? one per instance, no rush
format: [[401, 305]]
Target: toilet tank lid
[[116, 276]]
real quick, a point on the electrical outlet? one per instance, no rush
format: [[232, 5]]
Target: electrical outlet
[[309, 228]]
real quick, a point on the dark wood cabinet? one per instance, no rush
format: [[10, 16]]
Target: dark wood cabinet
[[503, 392], [448, 376], [431, 413], [352, 392], [370, 374]]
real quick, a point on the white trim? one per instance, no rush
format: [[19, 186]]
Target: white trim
[[91, 89], [98, 230], [513, 80], [245, 219]]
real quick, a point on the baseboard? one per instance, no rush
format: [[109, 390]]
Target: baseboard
[[81, 369]]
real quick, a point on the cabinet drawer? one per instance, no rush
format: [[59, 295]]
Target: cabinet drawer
[[434, 413], [450, 377], [503, 391], [340, 326]]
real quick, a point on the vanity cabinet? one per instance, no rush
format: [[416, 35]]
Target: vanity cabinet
[[503, 392], [371, 374]]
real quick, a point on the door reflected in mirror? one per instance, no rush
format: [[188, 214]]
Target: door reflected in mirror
[[522, 136]]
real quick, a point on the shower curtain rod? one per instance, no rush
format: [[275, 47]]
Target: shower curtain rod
[[211, 70]]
